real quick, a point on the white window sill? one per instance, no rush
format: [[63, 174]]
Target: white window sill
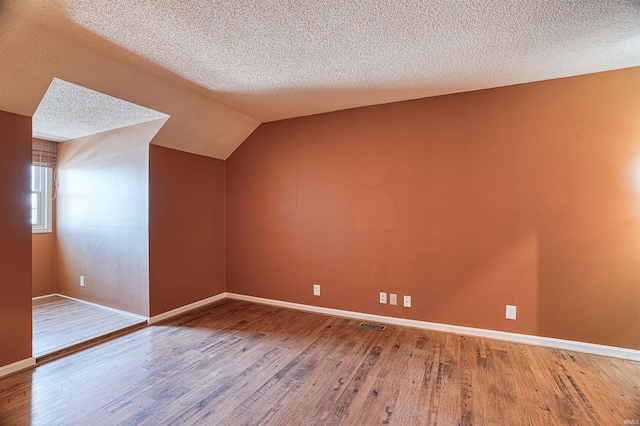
[[41, 231]]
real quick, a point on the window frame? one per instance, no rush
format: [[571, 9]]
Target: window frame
[[42, 187]]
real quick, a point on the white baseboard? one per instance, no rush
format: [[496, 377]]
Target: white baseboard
[[140, 317], [186, 308], [549, 342], [44, 297], [17, 366]]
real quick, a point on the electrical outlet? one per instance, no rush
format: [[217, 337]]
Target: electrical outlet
[[393, 299], [81, 280], [383, 297], [511, 312], [316, 289], [407, 301]]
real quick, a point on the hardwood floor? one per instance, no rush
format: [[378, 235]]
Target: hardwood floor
[[60, 323], [238, 363]]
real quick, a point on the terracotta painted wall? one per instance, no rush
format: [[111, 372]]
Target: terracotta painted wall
[[525, 195], [102, 218], [15, 238], [186, 228], [43, 264]]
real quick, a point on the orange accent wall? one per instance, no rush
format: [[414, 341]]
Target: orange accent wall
[[43, 264], [526, 195], [15, 238], [186, 228]]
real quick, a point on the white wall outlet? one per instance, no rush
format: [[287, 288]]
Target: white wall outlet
[[383, 297], [316, 289], [407, 301], [393, 299], [511, 312], [81, 280]]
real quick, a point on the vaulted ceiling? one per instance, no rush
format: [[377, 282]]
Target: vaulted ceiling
[[219, 68]]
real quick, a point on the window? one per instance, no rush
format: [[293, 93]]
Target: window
[[44, 160], [41, 199]]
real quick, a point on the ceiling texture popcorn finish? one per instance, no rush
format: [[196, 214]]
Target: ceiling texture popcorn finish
[[69, 111], [38, 42], [285, 58], [220, 67]]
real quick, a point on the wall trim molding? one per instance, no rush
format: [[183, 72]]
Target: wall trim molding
[[186, 308], [136, 316], [44, 297], [17, 366], [550, 342]]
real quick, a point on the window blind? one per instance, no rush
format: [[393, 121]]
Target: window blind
[[44, 153]]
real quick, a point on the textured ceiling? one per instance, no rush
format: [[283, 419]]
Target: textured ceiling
[[69, 111], [39, 43], [285, 58], [220, 67]]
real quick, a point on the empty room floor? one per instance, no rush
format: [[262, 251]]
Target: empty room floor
[[238, 363], [60, 323]]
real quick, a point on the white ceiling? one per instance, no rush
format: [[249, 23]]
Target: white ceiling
[[69, 111], [285, 58]]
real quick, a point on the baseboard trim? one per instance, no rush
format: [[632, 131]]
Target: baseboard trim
[[186, 308], [590, 348], [17, 366], [44, 297], [550, 342], [140, 317]]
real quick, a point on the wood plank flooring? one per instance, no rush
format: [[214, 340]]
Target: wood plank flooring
[[238, 363], [59, 323]]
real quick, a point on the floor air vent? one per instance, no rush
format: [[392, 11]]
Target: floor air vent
[[372, 326]]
